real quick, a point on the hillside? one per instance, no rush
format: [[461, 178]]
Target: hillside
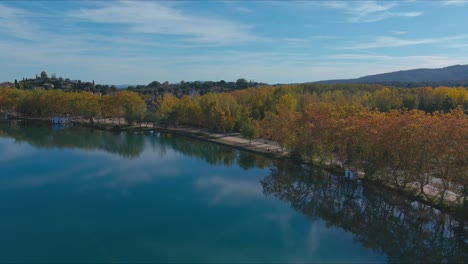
[[452, 74]]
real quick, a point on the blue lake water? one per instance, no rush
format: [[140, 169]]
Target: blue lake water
[[83, 195]]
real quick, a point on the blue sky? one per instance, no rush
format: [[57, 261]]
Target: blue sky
[[136, 42]]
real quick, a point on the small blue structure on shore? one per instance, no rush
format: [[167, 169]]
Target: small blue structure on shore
[[61, 120]]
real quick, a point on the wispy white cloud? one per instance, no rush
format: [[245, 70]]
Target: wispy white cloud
[[336, 4], [156, 18], [300, 40], [431, 60], [168, 41], [266, 66], [392, 42], [454, 2], [463, 46], [358, 57], [323, 37], [13, 23], [369, 11], [398, 32], [235, 6]]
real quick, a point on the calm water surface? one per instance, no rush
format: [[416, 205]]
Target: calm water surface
[[80, 195]]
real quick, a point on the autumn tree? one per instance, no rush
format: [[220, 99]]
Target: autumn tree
[[167, 106], [133, 105], [248, 129]]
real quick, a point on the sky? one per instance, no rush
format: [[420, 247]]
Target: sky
[[137, 42]]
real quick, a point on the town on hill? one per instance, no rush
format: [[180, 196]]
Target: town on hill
[[42, 81]]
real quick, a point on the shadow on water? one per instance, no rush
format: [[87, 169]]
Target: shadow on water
[[404, 230]]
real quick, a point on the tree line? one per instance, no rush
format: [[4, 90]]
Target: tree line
[[183, 88], [123, 105], [153, 89], [399, 137]]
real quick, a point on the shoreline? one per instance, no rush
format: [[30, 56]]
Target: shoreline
[[259, 146], [270, 149], [233, 140]]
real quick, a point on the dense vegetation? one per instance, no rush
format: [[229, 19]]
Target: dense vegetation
[[398, 137], [49, 103], [182, 88]]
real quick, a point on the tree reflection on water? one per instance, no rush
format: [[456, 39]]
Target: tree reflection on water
[[47, 136], [404, 230]]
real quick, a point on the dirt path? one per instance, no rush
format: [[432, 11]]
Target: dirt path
[[233, 139]]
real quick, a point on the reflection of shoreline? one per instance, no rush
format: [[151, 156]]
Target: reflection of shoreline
[[214, 154], [451, 200], [125, 144], [202, 136], [260, 146], [265, 147], [199, 148], [234, 140], [404, 230], [46, 136]]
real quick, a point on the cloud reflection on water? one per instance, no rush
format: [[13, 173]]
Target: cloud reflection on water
[[229, 190]]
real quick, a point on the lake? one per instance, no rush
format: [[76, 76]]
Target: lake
[[82, 195]]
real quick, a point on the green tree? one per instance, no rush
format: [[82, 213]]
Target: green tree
[[242, 83], [248, 130], [151, 117]]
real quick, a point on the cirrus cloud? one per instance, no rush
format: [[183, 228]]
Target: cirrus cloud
[[391, 42], [369, 11], [156, 18]]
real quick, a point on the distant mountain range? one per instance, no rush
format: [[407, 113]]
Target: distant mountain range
[[456, 73]]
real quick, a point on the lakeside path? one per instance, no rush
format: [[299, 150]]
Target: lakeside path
[[261, 146]]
